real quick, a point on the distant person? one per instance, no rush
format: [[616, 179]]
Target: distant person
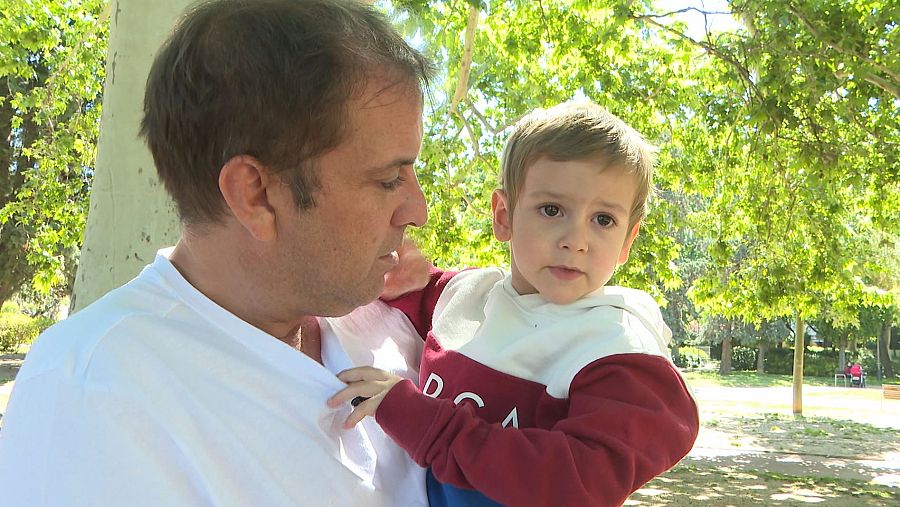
[[286, 133], [857, 375], [543, 387]]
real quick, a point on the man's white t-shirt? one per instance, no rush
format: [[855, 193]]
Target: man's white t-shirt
[[155, 395]]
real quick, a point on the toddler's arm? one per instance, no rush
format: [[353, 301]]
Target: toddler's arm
[[630, 418]]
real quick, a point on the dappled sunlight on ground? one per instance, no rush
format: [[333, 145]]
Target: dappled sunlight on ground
[[752, 450], [688, 485]]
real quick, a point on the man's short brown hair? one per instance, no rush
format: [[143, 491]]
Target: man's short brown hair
[[578, 131], [265, 78]]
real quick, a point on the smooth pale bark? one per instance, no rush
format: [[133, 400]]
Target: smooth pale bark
[[130, 215], [799, 332]]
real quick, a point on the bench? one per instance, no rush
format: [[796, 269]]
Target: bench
[[890, 391]]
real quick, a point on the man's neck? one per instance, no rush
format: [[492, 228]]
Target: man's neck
[[221, 278]]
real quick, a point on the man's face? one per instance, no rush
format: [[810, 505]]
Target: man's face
[[333, 257], [569, 229]]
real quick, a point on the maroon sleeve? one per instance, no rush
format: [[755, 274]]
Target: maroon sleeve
[[630, 418], [419, 305]]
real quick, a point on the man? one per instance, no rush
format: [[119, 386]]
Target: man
[[286, 133]]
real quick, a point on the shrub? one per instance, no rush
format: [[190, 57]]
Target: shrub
[[743, 358], [779, 361], [17, 329], [691, 357], [817, 362]]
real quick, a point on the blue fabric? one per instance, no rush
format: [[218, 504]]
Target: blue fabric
[[445, 495]]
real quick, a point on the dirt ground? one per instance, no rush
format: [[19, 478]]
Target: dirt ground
[[748, 457], [844, 452]]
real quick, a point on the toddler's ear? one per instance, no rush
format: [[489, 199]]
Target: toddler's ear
[[626, 248], [502, 219]]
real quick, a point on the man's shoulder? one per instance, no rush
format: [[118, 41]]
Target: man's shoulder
[[143, 296], [123, 312]]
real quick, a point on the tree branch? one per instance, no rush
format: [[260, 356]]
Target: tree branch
[[481, 117], [892, 88], [686, 9], [462, 84], [709, 48]]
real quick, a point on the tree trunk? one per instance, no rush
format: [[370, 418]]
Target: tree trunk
[[761, 357], [15, 270], [799, 332], [725, 363], [130, 215], [14, 267], [842, 351], [884, 339]]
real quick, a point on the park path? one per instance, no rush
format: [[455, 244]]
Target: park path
[[9, 366], [869, 451]]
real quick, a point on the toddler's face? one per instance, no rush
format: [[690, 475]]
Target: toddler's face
[[569, 230]]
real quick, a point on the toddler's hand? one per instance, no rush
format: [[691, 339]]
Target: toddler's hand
[[409, 275], [368, 385]]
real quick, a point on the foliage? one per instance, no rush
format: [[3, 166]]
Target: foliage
[[691, 357], [743, 358], [804, 159], [18, 330], [51, 77], [779, 157], [817, 361], [528, 55]]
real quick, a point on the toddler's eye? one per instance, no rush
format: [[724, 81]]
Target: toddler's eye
[[549, 210], [604, 220]]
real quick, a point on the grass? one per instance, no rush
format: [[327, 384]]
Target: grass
[[768, 393], [701, 378]]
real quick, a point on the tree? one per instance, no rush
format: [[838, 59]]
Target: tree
[[783, 135], [535, 54], [802, 125], [49, 110]]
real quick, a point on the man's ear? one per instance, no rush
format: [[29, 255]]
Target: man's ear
[[626, 248], [502, 219], [245, 184]]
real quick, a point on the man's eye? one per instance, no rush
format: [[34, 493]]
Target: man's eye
[[605, 220], [393, 184], [549, 210]]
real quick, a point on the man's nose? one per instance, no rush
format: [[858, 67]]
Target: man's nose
[[413, 210]]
